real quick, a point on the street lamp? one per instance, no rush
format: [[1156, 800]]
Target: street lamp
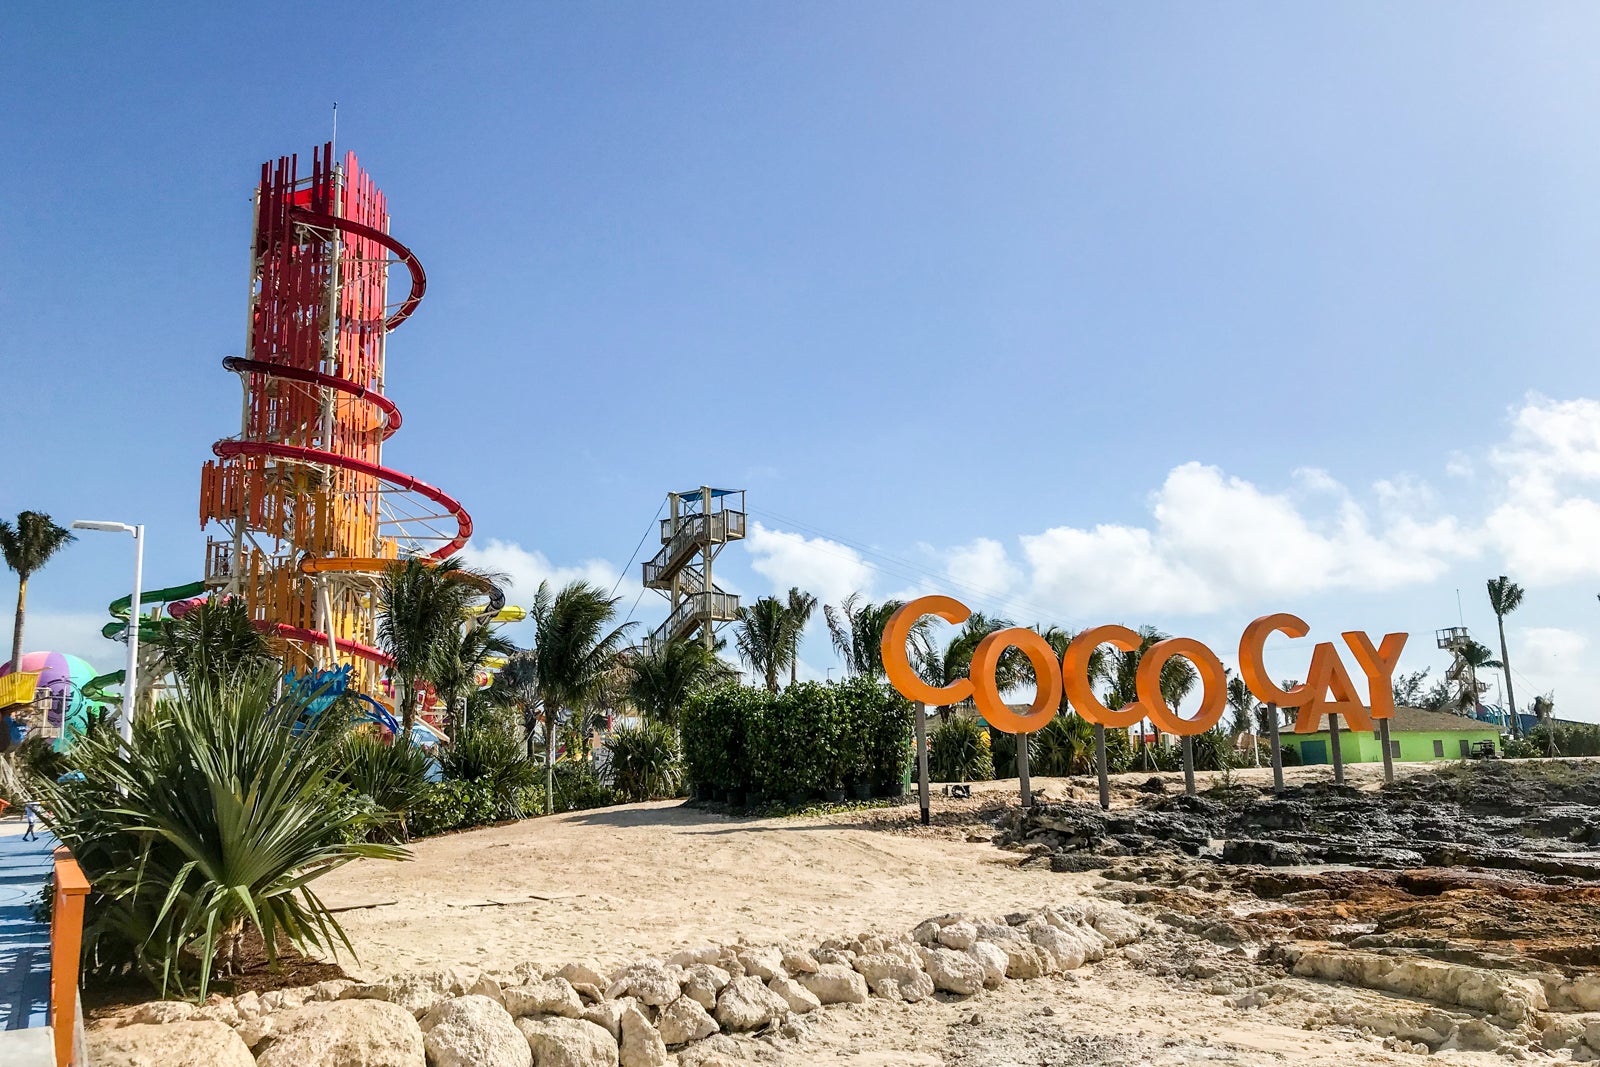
[[130, 677]]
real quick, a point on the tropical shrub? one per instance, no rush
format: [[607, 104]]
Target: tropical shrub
[[578, 788], [222, 812], [393, 777], [802, 747], [1003, 753], [884, 721], [958, 751], [1289, 757], [717, 728], [489, 755], [645, 764], [1214, 751], [461, 805]]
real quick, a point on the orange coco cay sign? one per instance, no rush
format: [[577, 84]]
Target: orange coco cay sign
[[1328, 688]]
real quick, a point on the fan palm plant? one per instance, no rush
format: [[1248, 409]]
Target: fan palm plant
[[952, 663], [576, 652], [802, 605], [662, 680], [1476, 657], [215, 641], [28, 545], [460, 662], [219, 816], [764, 637], [1505, 596]]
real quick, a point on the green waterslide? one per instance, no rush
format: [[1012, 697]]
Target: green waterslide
[[149, 629]]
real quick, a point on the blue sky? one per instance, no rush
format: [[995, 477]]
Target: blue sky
[[1166, 313]]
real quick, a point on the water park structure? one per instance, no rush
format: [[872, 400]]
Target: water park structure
[[309, 516]]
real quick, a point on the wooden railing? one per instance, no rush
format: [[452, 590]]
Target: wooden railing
[[66, 947]]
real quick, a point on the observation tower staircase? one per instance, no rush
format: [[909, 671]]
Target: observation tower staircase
[[697, 527]]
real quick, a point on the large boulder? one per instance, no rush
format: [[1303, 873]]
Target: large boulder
[[834, 983], [344, 1033], [473, 1031], [650, 982], [582, 973], [798, 997], [746, 1003], [764, 962], [952, 971], [958, 935], [162, 1012], [542, 996], [684, 1020], [993, 959], [641, 1045], [881, 971], [608, 1013], [200, 1043], [560, 1042]]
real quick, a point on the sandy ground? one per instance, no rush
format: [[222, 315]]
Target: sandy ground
[[619, 883]]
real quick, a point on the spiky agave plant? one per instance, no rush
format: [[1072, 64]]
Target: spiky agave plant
[[219, 816], [645, 764]]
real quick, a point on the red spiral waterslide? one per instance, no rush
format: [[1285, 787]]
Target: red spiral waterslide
[[311, 511]]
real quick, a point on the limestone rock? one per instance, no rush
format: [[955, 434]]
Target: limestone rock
[[837, 957], [1114, 924], [765, 962], [488, 987], [561, 1042], [593, 994], [993, 959], [420, 990], [641, 1045], [797, 962], [199, 1043], [543, 996], [281, 1000], [746, 1003], [952, 971], [703, 981], [248, 1005], [1508, 997], [582, 973], [608, 1013], [836, 984], [372, 1033], [332, 989], [159, 1012], [960, 936], [685, 1020], [473, 1031], [926, 932], [1068, 949], [651, 982], [1024, 959], [798, 997], [254, 1031], [688, 957], [906, 977]]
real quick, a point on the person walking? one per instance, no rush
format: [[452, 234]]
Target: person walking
[[30, 812]]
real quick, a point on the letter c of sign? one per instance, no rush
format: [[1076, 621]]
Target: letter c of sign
[[1075, 676], [1255, 672], [1047, 676], [893, 649]]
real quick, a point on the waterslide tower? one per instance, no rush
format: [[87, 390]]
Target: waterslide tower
[[698, 524], [1456, 640], [310, 514]]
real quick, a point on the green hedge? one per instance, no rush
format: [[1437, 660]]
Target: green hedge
[[810, 739]]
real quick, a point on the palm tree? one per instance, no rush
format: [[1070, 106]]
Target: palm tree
[[215, 641], [1243, 704], [422, 609], [663, 679], [28, 546], [763, 635], [460, 662], [1476, 657], [516, 685], [856, 627], [575, 655], [1178, 677], [801, 607], [1505, 596]]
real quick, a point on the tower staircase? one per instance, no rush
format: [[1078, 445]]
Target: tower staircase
[[697, 527]]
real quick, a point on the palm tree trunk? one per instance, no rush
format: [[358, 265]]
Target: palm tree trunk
[[1505, 668], [16, 632], [794, 662], [549, 763]]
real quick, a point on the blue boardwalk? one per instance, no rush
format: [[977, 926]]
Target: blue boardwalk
[[24, 943]]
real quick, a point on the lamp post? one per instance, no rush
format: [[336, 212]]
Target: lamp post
[[130, 677]]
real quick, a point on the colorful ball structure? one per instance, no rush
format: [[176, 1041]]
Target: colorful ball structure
[[65, 676]]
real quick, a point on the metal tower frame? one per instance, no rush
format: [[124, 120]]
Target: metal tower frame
[[699, 524]]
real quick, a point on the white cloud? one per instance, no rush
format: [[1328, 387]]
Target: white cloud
[[827, 569], [1217, 541], [983, 566], [1546, 527]]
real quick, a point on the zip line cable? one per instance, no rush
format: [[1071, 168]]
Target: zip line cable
[[624, 572]]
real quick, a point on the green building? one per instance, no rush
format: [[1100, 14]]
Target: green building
[[1415, 735]]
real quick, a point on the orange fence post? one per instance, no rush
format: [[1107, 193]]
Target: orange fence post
[[66, 946]]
